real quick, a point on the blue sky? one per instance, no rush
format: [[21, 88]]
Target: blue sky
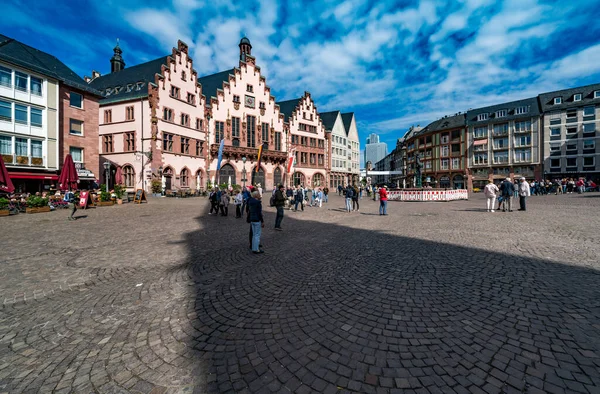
[[394, 63]]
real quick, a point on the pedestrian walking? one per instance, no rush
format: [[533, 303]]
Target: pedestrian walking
[[326, 193], [237, 201], [70, 198], [508, 189], [255, 217], [224, 204], [524, 192], [214, 202], [491, 191], [340, 188], [299, 198], [279, 203], [349, 195], [383, 199]]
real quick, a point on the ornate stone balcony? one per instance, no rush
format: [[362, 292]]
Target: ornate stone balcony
[[237, 152]]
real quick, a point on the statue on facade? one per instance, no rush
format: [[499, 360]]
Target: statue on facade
[[418, 168]]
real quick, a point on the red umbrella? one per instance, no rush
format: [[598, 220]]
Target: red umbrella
[[119, 176], [6, 184], [68, 178]]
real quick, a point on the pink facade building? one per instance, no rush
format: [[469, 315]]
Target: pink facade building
[[309, 142], [160, 121], [152, 122]]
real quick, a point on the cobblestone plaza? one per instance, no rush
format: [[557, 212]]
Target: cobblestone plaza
[[433, 298]]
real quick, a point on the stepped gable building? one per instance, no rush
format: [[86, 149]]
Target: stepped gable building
[[504, 141], [352, 147], [570, 132], [441, 146], [332, 122], [310, 141], [153, 121], [245, 115], [46, 112]]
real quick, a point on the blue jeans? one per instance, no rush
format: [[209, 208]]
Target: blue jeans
[[348, 204], [256, 230], [325, 197], [383, 207]]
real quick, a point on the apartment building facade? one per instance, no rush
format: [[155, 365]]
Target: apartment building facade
[[504, 141], [570, 121]]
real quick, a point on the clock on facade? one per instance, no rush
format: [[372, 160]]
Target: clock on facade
[[249, 101]]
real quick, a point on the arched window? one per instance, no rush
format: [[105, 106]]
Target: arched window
[[227, 171], [298, 178], [277, 176], [184, 177], [129, 176], [317, 180], [258, 177]]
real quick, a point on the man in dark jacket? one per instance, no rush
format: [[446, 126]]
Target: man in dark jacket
[[349, 195], [279, 203], [299, 198], [508, 190], [256, 220]]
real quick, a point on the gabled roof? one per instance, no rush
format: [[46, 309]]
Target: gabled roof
[[445, 123], [19, 54], [142, 73], [510, 107], [329, 119], [288, 107], [347, 119], [211, 83], [567, 95]]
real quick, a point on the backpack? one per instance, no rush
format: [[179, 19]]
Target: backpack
[[272, 201]]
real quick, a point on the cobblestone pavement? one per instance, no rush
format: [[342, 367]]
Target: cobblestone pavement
[[433, 298]]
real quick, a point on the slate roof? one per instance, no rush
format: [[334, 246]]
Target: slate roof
[[329, 119], [211, 83], [347, 119], [143, 73], [22, 55], [546, 100], [288, 107], [532, 103], [445, 123]]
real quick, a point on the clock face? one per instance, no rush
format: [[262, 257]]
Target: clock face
[[249, 101]]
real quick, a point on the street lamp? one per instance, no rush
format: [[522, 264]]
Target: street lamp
[[107, 171], [244, 171]]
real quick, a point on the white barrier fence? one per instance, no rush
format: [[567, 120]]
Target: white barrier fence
[[428, 195]]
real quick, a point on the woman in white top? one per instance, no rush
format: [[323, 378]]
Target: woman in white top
[[490, 192]]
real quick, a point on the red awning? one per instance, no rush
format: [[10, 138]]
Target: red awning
[[32, 175]]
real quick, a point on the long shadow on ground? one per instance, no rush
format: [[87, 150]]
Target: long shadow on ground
[[332, 309]]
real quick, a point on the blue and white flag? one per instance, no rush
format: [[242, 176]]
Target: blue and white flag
[[220, 155]]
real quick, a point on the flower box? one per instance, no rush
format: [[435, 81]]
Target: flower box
[[4, 212], [105, 203], [22, 160], [37, 210], [8, 159], [37, 161]]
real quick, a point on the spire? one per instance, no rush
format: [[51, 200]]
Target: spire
[[116, 62], [245, 48]]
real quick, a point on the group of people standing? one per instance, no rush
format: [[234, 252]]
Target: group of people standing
[[505, 193], [562, 186]]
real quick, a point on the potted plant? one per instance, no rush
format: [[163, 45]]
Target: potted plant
[[156, 187], [37, 204], [119, 191], [4, 206], [105, 199]]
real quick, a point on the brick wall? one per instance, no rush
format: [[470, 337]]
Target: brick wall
[[89, 115]]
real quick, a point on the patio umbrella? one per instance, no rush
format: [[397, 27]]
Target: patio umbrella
[[6, 184], [68, 178], [119, 176]]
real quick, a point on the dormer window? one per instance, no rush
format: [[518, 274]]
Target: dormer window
[[577, 97], [483, 116], [557, 100], [521, 110], [129, 88], [597, 94], [118, 89], [501, 113], [139, 85], [108, 91]]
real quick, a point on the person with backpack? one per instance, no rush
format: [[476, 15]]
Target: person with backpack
[[349, 196], [70, 198], [355, 206], [279, 202]]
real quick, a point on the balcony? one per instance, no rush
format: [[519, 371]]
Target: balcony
[[237, 152], [499, 133], [500, 147], [521, 131], [500, 160], [25, 161], [455, 154]]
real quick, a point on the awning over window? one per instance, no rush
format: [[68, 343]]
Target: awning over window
[[480, 142], [33, 175]]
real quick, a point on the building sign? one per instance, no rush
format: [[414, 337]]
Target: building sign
[[445, 179]]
